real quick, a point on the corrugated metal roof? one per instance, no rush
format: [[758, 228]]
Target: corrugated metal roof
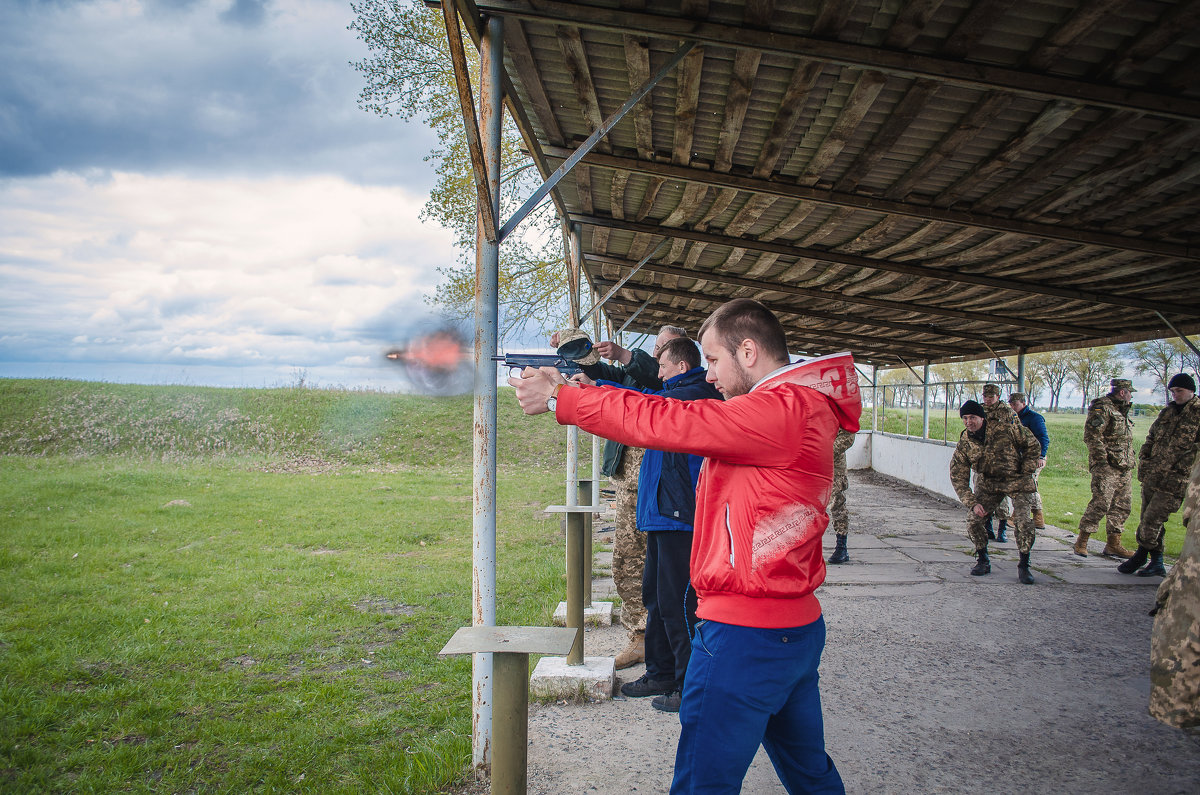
[[916, 181]]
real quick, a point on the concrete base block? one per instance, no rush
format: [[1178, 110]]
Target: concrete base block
[[554, 679], [598, 615]]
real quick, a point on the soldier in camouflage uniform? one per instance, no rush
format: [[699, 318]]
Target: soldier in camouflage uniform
[[1164, 461], [1004, 457], [997, 412], [838, 513], [1175, 641], [1108, 435]]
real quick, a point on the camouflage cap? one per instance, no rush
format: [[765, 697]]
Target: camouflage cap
[[1017, 396], [991, 389], [568, 351], [1122, 383]]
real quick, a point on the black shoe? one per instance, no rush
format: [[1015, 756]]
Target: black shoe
[[1135, 562], [669, 702], [1002, 533], [983, 565], [840, 555], [1023, 570], [1156, 568], [645, 686], [988, 526]]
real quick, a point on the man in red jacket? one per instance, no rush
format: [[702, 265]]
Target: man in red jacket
[[756, 553]]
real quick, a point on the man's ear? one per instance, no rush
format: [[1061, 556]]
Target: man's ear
[[748, 352]]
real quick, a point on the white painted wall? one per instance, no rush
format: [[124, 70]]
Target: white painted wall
[[922, 462]]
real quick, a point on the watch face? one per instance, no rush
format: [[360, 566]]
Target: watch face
[[552, 403]]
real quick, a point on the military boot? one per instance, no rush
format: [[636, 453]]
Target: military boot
[[1113, 548], [633, 653], [1039, 520], [840, 555], [1023, 570], [982, 565], [1002, 533], [1080, 547], [987, 525], [1155, 568], [1135, 561]]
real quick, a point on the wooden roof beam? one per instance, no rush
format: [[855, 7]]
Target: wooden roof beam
[[947, 70], [906, 307], [854, 260], [884, 206]]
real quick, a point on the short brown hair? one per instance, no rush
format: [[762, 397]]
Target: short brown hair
[[680, 349], [747, 319]]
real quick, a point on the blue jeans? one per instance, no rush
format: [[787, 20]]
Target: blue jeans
[[744, 687]]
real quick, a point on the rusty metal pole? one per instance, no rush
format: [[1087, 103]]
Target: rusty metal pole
[[487, 270], [585, 564], [575, 547]]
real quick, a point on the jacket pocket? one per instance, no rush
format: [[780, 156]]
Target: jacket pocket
[[729, 530]]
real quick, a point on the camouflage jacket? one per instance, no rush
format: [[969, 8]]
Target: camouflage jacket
[[1000, 412], [1004, 461], [1170, 449], [842, 442], [1174, 678], [1108, 433]]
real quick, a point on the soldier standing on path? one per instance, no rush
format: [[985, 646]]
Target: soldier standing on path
[[1163, 463], [1174, 674], [1004, 457], [621, 465], [838, 513], [1108, 435], [997, 412]]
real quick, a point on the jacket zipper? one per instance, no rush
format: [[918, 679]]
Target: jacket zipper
[[729, 529]]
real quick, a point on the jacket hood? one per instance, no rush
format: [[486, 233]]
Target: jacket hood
[[835, 377]]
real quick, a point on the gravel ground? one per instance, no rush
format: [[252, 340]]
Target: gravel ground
[[932, 680]]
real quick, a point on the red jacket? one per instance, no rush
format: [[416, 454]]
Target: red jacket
[[767, 477]]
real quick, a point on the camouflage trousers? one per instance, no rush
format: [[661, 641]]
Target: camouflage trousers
[[839, 515], [1006, 507], [629, 546], [1157, 507], [1112, 495], [1022, 519]]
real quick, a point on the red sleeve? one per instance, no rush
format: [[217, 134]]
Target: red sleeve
[[759, 428]]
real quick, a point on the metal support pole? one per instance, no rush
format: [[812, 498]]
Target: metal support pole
[[510, 725], [585, 494], [487, 270], [925, 403], [575, 578], [1021, 372], [874, 399]]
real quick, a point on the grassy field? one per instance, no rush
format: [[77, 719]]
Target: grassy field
[[245, 590], [1064, 483]]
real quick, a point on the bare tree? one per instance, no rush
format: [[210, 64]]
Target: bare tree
[[1091, 367], [952, 374], [1163, 359], [1053, 370]]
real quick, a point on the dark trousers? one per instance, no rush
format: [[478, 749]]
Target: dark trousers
[[670, 603]]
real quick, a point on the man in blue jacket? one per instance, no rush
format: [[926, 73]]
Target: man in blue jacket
[[666, 508], [1036, 423]]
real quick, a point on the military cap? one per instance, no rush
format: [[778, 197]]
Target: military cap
[[1122, 383], [576, 345], [1017, 396], [991, 389]]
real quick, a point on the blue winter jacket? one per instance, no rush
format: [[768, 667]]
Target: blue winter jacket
[[666, 498], [1036, 423]]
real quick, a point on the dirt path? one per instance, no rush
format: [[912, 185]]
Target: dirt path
[[932, 680]]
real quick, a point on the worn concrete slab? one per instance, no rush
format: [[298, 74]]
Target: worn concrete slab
[[599, 614], [553, 679]]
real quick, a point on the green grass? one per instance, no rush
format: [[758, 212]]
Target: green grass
[[280, 630], [1065, 484]]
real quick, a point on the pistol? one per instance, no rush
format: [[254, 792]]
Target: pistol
[[520, 361]]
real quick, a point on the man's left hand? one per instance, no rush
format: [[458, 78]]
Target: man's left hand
[[534, 388]]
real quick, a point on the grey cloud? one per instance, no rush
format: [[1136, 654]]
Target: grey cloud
[[193, 87]]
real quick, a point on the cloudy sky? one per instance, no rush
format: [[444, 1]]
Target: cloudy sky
[[189, 194]]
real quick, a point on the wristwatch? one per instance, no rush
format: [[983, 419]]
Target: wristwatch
[[552, 401]]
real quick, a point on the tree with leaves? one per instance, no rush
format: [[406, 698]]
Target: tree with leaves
[[1163, 359], [409, 74], [952, 374], [1091, 368]]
